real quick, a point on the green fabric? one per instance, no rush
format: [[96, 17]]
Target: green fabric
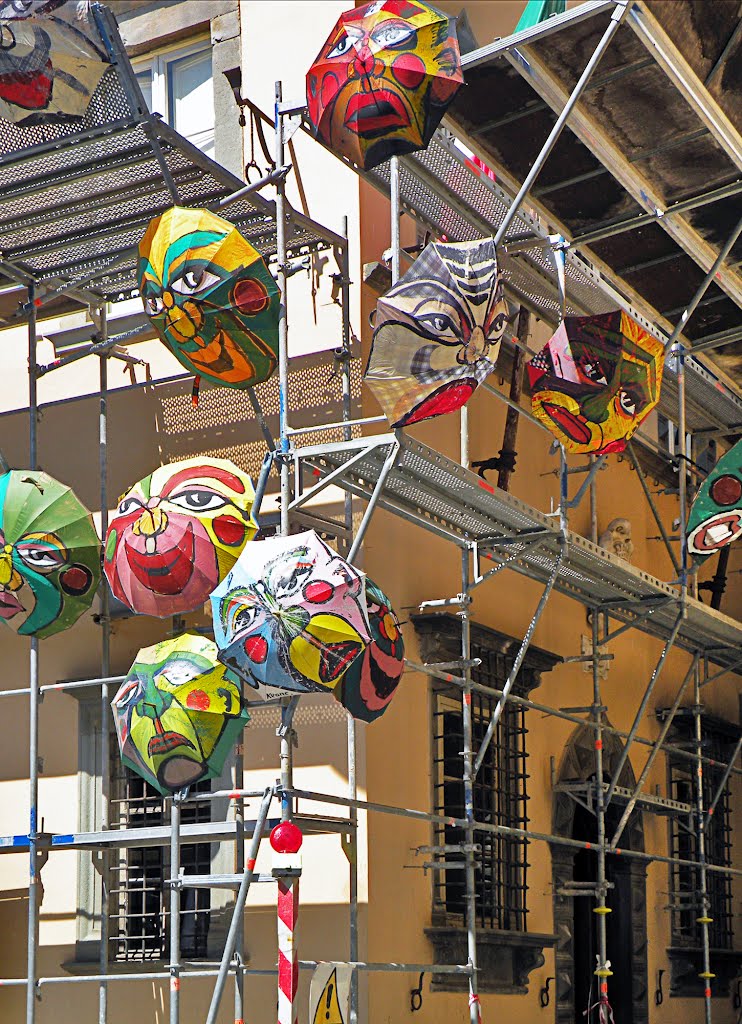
[[537, 11]]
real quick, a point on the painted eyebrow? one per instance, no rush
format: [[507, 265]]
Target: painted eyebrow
[[201, 473], [194, 239]]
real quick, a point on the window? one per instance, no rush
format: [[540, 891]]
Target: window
[[500, 798], [718, 739], [178, 84], [139, 905]]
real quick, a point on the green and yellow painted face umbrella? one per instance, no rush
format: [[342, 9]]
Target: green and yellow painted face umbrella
[[210, 297], [49, 554], [178, 713]]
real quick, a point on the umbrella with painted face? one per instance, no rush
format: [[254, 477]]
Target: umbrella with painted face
[[437, 332], [210, 297], [595, 381], [50, 65], [383, 80], [367, 688], [715, 518], [291, 614], [178, 713], [49, 554], [177, 533]]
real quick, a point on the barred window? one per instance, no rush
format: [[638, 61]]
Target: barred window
[[139, 923], [718, 740], [500, 798]]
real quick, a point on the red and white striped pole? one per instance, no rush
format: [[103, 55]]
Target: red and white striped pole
[[288, 964], [286, 840]]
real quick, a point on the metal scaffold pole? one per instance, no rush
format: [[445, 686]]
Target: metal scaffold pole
[[105, 661], [475, 1014], [283, 352], [704, 918], [33, 708], [602, 971], [175, 806]]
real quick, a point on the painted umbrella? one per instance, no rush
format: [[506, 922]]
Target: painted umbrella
[[367, 688], [178, 713], [177, 533], [437, 332], [49, 554], [383, 80], [715, 518], [291, 614], [595, 381], [50, 65], [210, 297]]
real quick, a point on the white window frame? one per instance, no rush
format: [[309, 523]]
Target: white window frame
[[158, 63]]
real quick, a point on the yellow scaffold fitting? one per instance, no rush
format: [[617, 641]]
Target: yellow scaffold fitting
[[602, 910], [706, 974], [704, 920], [603, 972]]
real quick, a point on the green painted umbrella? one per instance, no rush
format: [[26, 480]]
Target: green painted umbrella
[[49, 554]]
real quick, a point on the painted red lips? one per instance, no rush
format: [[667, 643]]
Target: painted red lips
[[165, 572], [716, 532], [371, 114], [575, 428], [164, 742]]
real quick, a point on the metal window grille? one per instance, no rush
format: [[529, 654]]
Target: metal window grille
[[139, 922], [685, 881], [500, 798]]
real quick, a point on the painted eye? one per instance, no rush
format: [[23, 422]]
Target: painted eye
[[127, 694], [198, 500], [129, 505], [291, 584], [594, 372], [390, 35], [498, 326], [43, 558], [193, 283], [7, 39], [243, 617], [627, 403], [440, 324], [341, 47], [177, 672]]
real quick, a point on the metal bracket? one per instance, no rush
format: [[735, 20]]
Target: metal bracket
[[290, 126]]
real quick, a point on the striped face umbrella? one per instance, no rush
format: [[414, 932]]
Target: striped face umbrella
[[437, 332], [715, 518], [595, 381], [50, 65], [49, 554], [291, 614], [178, 713], [367, 688], [210, 297], [383, 80], [177, 533]]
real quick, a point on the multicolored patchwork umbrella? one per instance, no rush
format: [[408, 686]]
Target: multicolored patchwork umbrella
[[437, 332], [177, 533], [383, 80], [178, 713], [715, 518], [368, 686], [596, 380], [49, 64], [291, 614], [49, 554], [210, 297]]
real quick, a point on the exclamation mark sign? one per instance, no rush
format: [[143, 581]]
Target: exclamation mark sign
[[329, 1000]]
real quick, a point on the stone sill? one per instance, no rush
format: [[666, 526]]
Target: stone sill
[[505, 959]]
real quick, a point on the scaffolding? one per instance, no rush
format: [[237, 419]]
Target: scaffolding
[[93, 183]]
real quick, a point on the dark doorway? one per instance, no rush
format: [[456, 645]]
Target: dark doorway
[[619, 924]]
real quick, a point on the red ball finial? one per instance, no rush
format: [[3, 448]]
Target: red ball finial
[[286, 838]]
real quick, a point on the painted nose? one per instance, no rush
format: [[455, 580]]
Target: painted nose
[[10, 579], [150, 524], [597, 406], [476, 346]]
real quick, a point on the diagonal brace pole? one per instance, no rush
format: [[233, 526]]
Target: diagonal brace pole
[[239, 907], [653, 754], [653, 507], [722, 784], [642, 708], [513, 675], [617, 17], [389, 464]]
